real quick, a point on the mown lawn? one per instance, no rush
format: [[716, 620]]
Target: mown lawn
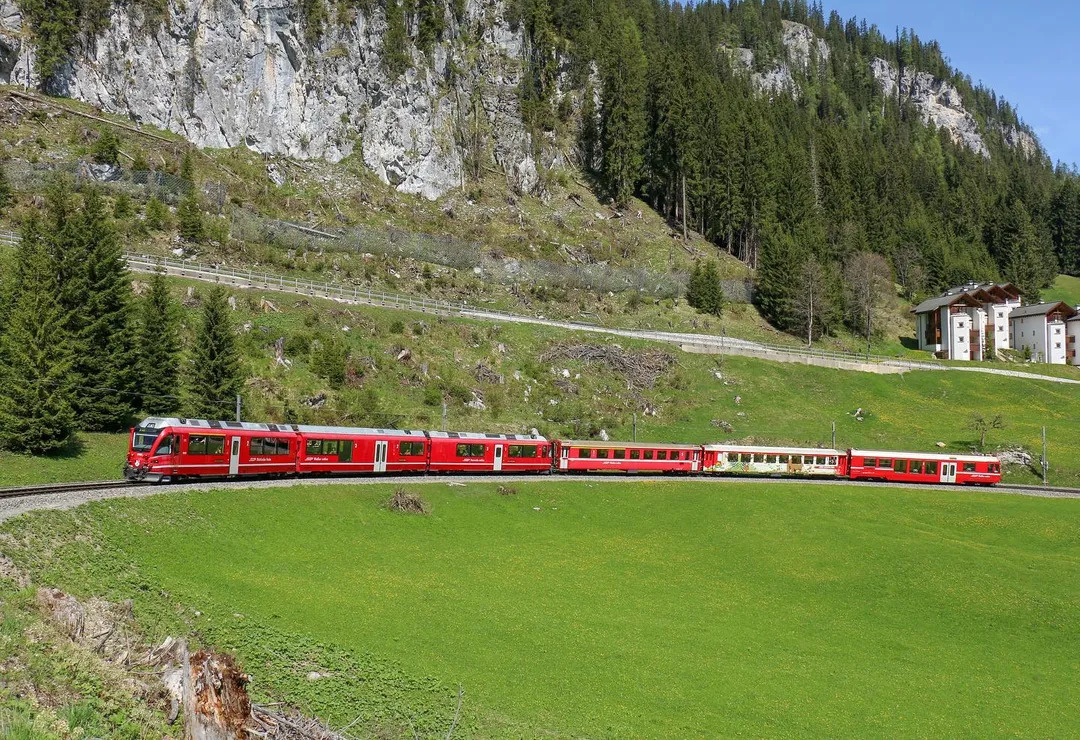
[[644, 609]]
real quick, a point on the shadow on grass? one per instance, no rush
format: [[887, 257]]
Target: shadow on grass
[[909, 342]]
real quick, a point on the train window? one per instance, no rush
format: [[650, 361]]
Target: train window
[[832, 461], [413, 448], [584, 452], [820, 460], [916, 467], [330, 446], [314, 447], [255, 446], [772, 458], [870, 462], [345, 450], [144, 439], [166, 446], [648, 454], [661, 454], [969, 467], [785, 459], [885, 463], [899, 466], [602, 454], [931, 468], [275, 446], [995, 467], [619, 454], [464, 450], [196, 444], [635, 454]]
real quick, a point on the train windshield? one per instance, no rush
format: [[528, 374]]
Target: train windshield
[[144, 439]]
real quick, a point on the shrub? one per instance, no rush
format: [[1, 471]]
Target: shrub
[[397, 327], [432, 396], [157, 215], [106, 149]]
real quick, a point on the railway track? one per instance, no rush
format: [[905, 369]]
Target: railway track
[[42, 489], [121, 485]]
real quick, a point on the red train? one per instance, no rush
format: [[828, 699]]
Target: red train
[[171, 449]]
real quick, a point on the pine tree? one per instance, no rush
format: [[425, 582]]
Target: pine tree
[[106, 365], [35, 359], [190, 217], [156, 215], [778, 278], [214, 374], [187, 167], [623, 116], [158, 350]]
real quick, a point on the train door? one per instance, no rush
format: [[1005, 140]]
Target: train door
[[234, 456], [948, 472], [564, 457], [381, 446], [696, 464], [498, 458]]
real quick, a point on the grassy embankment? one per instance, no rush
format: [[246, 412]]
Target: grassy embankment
[[646, 609], [778, 403], [1065, 288]]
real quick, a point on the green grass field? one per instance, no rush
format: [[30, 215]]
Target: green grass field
[[1065, 288], [644, 609]]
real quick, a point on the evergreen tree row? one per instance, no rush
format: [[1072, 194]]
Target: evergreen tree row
[[78, 352]]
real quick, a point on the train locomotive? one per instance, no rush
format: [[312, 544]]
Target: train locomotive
[[172, 449]]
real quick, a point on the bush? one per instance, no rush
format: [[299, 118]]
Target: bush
[[329, 360], [297, 344], [190, 216], [106, 149], [432, 396], [397, 327]]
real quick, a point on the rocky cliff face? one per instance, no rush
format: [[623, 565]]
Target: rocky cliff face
[[227, 73], [940, 103]]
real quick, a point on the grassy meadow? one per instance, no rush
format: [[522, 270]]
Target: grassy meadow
[[648, 609], [1065, 288]]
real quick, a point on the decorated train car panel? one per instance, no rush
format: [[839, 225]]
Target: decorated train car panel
[[793, 461]]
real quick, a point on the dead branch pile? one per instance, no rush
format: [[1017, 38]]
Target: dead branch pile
[[507, 491], [641, 368], [485, 374], [407, 502], [269, 723]]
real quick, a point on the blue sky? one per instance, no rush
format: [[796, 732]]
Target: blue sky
[[1027, 51]]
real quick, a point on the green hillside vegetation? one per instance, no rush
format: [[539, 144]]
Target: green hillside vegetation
[[355, 377], [1065, 288], [610, 610]]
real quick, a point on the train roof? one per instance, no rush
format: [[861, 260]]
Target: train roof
[[931, 455], [628, 445], [775, 450], [479, 435], [251, 426]]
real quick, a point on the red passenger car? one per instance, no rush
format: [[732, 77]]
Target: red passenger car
[[657, 457], [171, 448], [356, 450], [456, 452], [923, 467]]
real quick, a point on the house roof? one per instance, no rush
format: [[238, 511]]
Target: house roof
[[1042, 309], [1007, 290], [933, 304]]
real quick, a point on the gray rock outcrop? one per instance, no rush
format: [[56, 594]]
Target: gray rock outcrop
[[938, 102], [227, 73]]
